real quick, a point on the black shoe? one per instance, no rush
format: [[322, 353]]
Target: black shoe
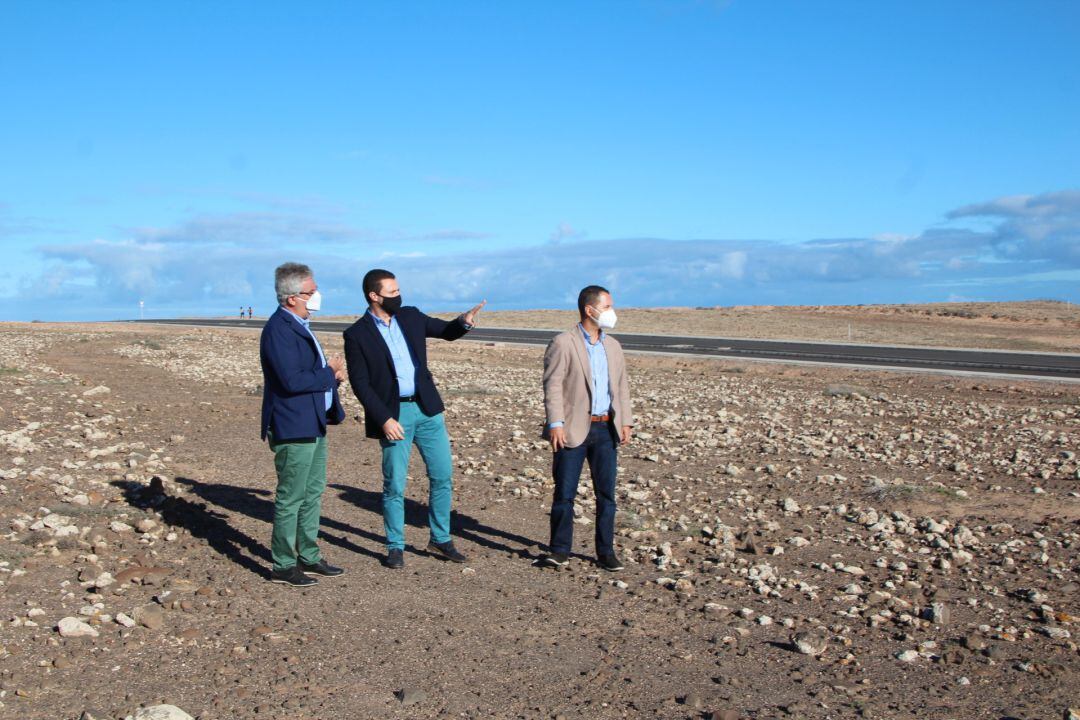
[[554, 560], [395, 558], [446, 551], [609, 562], [321, 568], [293, 576]]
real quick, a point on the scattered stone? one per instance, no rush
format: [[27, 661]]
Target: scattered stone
[[692, 700], [725, 714], [938, 613], [846, 391], [975, 643], [72, 627], [1055, 633], [411, 696], [155, 575], [811, 642], [150, 616], [160, 712]]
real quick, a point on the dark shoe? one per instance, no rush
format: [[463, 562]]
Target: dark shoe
[[446, 551], [609, 562], [321, 568], [293, 577], [395, 559], [554, 560]]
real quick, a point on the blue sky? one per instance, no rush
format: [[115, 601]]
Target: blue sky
[[681, 152]]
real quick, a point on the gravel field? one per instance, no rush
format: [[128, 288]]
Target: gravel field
[[800, 542]]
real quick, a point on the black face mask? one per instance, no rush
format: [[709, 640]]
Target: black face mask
[[391, 304]]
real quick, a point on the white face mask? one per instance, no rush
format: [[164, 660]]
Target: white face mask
[[607, 319], [315, 301]]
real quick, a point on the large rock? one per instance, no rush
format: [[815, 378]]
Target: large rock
[[160, 712], [811, 642], [149, 616], [71, 627]]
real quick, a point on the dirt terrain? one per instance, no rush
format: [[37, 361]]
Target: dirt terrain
[[1039, 325], [800, 542]]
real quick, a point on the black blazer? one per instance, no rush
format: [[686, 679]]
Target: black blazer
[[371, 369]]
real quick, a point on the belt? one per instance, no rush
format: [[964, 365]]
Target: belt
[[600, 418], [408, 398]]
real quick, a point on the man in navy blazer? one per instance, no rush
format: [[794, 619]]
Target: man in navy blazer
[[300, 398], [386, 353]]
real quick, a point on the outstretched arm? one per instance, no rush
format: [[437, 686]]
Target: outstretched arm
[[452, 329]]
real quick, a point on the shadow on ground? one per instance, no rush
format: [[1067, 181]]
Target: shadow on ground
[[205, 520], [463, 526]]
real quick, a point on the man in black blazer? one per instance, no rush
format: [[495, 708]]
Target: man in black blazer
[[386, 356]]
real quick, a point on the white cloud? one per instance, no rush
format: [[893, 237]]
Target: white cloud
[[250, 229], [1031, 245]]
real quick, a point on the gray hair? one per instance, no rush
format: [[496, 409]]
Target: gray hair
[[288, 278]]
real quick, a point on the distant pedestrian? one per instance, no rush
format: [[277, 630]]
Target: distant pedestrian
[[241, 312], [250, 314], [587, 402], [386, 351], [300, 398]]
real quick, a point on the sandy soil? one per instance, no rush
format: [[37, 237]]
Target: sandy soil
[[923, 530]]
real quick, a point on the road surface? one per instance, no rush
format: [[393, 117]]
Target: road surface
[[992, 362]]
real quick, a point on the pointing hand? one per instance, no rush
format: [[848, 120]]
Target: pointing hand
[[470, 316]]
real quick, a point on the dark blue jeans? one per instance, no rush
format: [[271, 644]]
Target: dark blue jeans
[[601, 450]]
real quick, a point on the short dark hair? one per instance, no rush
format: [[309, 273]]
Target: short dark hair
[[373, 281], [588, 296]]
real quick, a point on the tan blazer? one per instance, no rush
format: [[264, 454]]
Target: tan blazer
[[568, 385]]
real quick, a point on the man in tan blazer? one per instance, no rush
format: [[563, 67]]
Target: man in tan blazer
[[587, 401]]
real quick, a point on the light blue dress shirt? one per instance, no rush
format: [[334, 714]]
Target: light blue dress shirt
[[601, 390], [404, 367], [307, 326]]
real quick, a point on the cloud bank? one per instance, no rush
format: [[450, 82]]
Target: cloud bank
[[1007, 248]]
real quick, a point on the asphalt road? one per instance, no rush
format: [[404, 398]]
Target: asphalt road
[[1046, 365]]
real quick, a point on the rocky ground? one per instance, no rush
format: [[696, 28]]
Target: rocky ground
[[800, 542]]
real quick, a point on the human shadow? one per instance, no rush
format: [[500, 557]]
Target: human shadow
[[258, 503], [202, 522], [416, 514]]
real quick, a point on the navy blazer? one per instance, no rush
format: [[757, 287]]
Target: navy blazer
[[371, 369], [294, 382]]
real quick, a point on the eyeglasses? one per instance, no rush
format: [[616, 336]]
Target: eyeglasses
[[309, 292]]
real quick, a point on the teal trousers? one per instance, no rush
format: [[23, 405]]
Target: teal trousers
[[428, 432]]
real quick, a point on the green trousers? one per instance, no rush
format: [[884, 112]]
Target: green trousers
[[301, 479]]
